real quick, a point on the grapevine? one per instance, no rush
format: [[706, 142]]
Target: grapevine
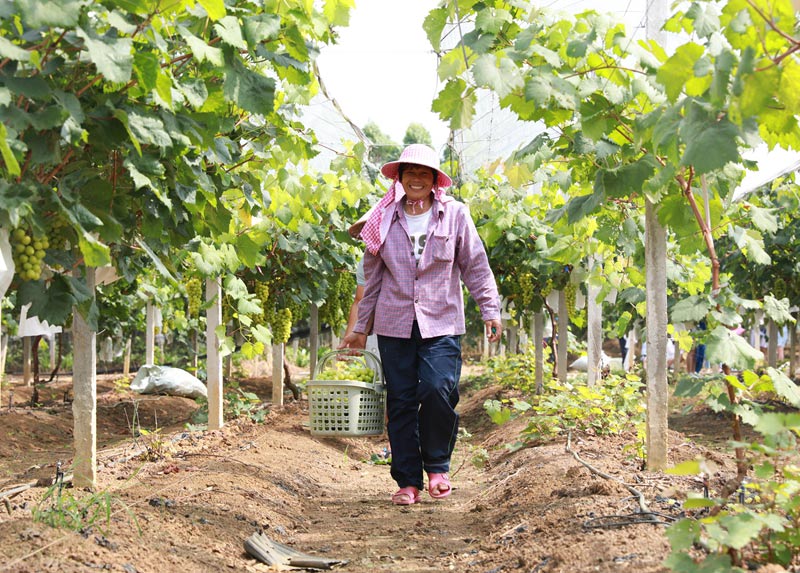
[[28, 253]]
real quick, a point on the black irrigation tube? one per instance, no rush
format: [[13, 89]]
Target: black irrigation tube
[[642, 516]]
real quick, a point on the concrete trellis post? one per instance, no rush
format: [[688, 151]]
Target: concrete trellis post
[[563, 336], [772, 343], [594, 331], [313, 344], [213, 361], [3, 354], [513, 344], [277, 374], [657, 389], [84, 406], [655, 255], [27, 372], [149, 335], [6, 276], [126, 361], [538, 339], [792, 349]]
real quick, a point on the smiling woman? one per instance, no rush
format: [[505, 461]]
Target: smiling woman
[[415, 305]]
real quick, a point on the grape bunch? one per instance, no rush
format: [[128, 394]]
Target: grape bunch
[[570, 291], [58, 231], [28, 253], [547, 288], [194, 294], [526, 289], [347, 371], [262, 293], [336, 308], [281, 325]]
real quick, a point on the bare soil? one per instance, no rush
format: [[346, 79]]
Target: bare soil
[[185, 500]]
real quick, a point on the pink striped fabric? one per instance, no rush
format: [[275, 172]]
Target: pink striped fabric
[[374, 233]]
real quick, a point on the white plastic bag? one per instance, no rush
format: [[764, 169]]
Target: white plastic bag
[[151, 379]]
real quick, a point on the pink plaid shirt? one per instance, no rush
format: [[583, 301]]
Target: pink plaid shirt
[[398, 291]]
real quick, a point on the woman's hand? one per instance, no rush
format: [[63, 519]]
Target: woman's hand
[[354, 340], [494, 330]]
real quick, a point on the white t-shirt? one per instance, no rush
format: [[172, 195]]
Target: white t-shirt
[[418, 231]]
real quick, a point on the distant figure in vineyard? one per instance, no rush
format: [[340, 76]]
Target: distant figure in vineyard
[[420, 245]]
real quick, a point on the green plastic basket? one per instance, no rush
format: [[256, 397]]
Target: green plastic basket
[[347, 407]]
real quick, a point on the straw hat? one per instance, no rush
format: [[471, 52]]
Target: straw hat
[[419, 154]]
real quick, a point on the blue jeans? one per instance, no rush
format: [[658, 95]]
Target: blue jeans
[[699, 357], [422, 393]]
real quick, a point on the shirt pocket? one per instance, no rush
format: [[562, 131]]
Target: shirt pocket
[[444, 248]]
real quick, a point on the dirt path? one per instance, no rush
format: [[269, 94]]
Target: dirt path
[[193, 505]]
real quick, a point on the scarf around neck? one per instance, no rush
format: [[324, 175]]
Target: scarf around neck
[[377, 227]]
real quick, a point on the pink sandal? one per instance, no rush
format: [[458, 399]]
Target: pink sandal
[[406, 496], [439, 485]]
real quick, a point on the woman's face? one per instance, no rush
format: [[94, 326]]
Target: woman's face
[[417, 180]]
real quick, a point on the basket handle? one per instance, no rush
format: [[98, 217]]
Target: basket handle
[[371, 360]]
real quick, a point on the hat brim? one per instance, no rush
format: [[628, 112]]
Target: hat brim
[[391, 170], [355, 229]]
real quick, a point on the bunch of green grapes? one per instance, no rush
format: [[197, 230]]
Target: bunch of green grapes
[[570, 291], [57, 231], [525, 284], [281, 325], [547, 288], [347, 371], [28, 252], [194, 294], [262, 292], [227, 308], [336, 309]]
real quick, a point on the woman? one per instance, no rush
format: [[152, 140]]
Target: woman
[[420, 245]]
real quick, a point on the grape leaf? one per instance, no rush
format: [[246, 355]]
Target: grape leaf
[[673, 73], [214, 8], [454, 105], [725, 347], [231, 33], [113, 57], [690, 309], [249, 90], [710, 143], [41, 13], [497, 72]]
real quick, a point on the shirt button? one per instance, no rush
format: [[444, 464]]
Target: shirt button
[[416, 279], [416, 301]]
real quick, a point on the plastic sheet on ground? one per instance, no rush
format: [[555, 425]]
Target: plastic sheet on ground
[[153, 379], [581, 364]]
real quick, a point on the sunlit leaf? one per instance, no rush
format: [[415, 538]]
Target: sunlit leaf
[[214, 8], [112, 56]]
